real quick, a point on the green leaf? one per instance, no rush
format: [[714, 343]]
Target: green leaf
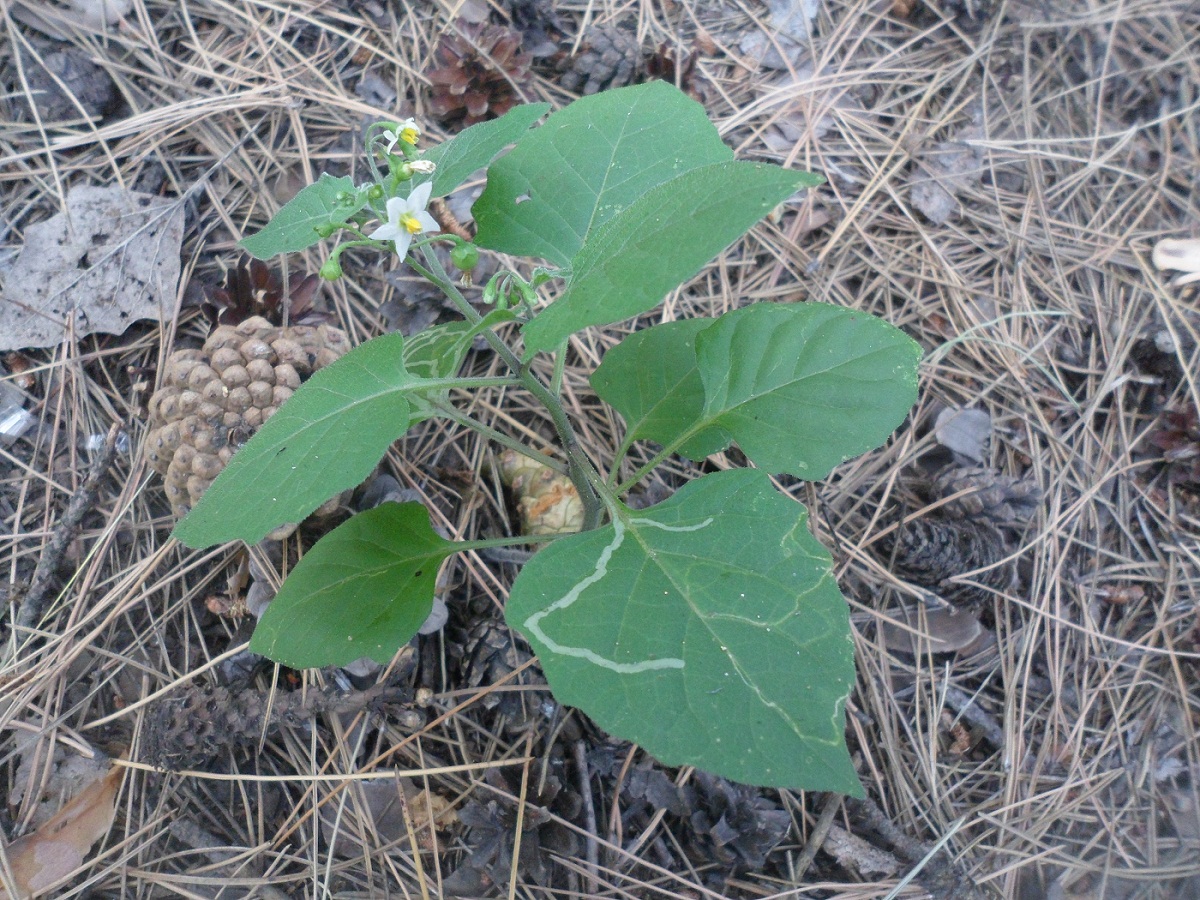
[[658, 241], [475, 147], [708, 629], [588, 162], [804, 387], [295, 226], [363, 590], [652, 379], [800, 386], [435, 353], [325, 439]]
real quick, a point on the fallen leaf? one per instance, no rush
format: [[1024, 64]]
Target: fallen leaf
[[376, 812], [54, 781], [932, 630], [109, 259], [949, 169], [1180, 256], [856, 855], [789, 31], [102, 13], [964, 431], [60, 846]]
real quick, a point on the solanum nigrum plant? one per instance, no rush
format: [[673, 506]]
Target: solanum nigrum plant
[[708, 628]]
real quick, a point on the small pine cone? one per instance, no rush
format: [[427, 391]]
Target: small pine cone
[[212, 400], [1001, 499], [200, 723], [476, 75], [608, 58], [491, 652], [929, 552]]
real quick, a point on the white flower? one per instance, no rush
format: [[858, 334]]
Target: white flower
[[407, 131], [407, 217]]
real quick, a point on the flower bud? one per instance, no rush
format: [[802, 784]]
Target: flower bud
[[326, 229], [332, 270], [423, 166], [375, 192]]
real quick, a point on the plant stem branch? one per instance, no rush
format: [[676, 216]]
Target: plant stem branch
[[644, 470], [461, 418], [580, 470]]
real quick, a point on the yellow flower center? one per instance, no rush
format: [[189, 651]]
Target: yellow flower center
[[409, 135], [410, 223]]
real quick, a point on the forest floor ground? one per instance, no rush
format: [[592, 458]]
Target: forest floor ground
[[998, 174]]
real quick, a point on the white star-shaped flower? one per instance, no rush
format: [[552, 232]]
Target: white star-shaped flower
[[407, 217], [407, 131]]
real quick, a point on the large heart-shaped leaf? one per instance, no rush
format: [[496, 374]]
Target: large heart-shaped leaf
[[475, 147], [628, 264], [708, 629], [587, 163], [325, 439], [653, 380], [800, 386], [363, 590], [328, 201]]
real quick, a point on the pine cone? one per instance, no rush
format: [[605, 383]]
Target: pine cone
[[212, 400], [1179, 439], [490, 653], [669, 64], [539, 24], [1001, 499], [199, 723], [477, 74], [930, 551], [609, 57]]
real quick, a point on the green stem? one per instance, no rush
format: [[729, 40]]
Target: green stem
[[515, 541], [456, 415], [580, 470], [438, 276], [483, 381], [560, 364], [622, 451], [643, 471]]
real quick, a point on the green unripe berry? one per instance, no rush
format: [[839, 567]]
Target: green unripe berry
[[464, 256], [332, 270]]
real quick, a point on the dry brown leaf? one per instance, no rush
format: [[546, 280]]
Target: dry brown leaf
[[944, 172], [936, 630], [378, 810], [60, 846], [109, 259], [547, 502], [855, 854]]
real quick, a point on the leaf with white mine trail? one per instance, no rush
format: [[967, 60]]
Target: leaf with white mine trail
[[708, 629]]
